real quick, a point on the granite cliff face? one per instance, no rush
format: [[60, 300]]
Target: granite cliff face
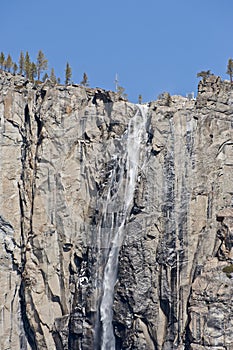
[[66, 167]]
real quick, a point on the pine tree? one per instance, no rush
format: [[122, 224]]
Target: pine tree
[[41, 63], [4, 65], [2, 60], [21, 63], [230, 69], [27, 65], [53, 76], [15, 68], [32, 71], [45, 76], [140, 99], [85, 82], [68, 74], [9, 63]]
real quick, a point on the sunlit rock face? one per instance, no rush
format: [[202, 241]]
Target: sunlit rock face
[[75, 189]]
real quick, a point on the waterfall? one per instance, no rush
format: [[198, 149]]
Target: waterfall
[[116, 209]]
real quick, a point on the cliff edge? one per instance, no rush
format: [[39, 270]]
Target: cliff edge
[[65, 164]]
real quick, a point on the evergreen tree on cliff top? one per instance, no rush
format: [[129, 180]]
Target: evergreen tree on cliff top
[[41, 63], [140, 99], [9, 63], [32, 71], [85, 82], [21, 63], [15, 67], [68, 74], [53, 76], [27, 65], [230, 69], [2, 60]]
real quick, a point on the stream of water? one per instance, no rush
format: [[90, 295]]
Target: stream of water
[[116, 210]]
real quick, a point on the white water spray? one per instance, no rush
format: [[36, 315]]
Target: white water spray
[[127, 178]]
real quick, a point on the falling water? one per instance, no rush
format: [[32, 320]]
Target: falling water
[[122, 185]]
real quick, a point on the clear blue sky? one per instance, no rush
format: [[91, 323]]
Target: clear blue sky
[[153, 45]]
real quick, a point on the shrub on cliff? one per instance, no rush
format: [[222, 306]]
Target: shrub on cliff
[[204, 74], [165, 99]]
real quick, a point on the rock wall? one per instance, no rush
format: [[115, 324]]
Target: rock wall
[[174, 287]]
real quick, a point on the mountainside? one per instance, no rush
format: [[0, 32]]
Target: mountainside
[[116, 219]]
